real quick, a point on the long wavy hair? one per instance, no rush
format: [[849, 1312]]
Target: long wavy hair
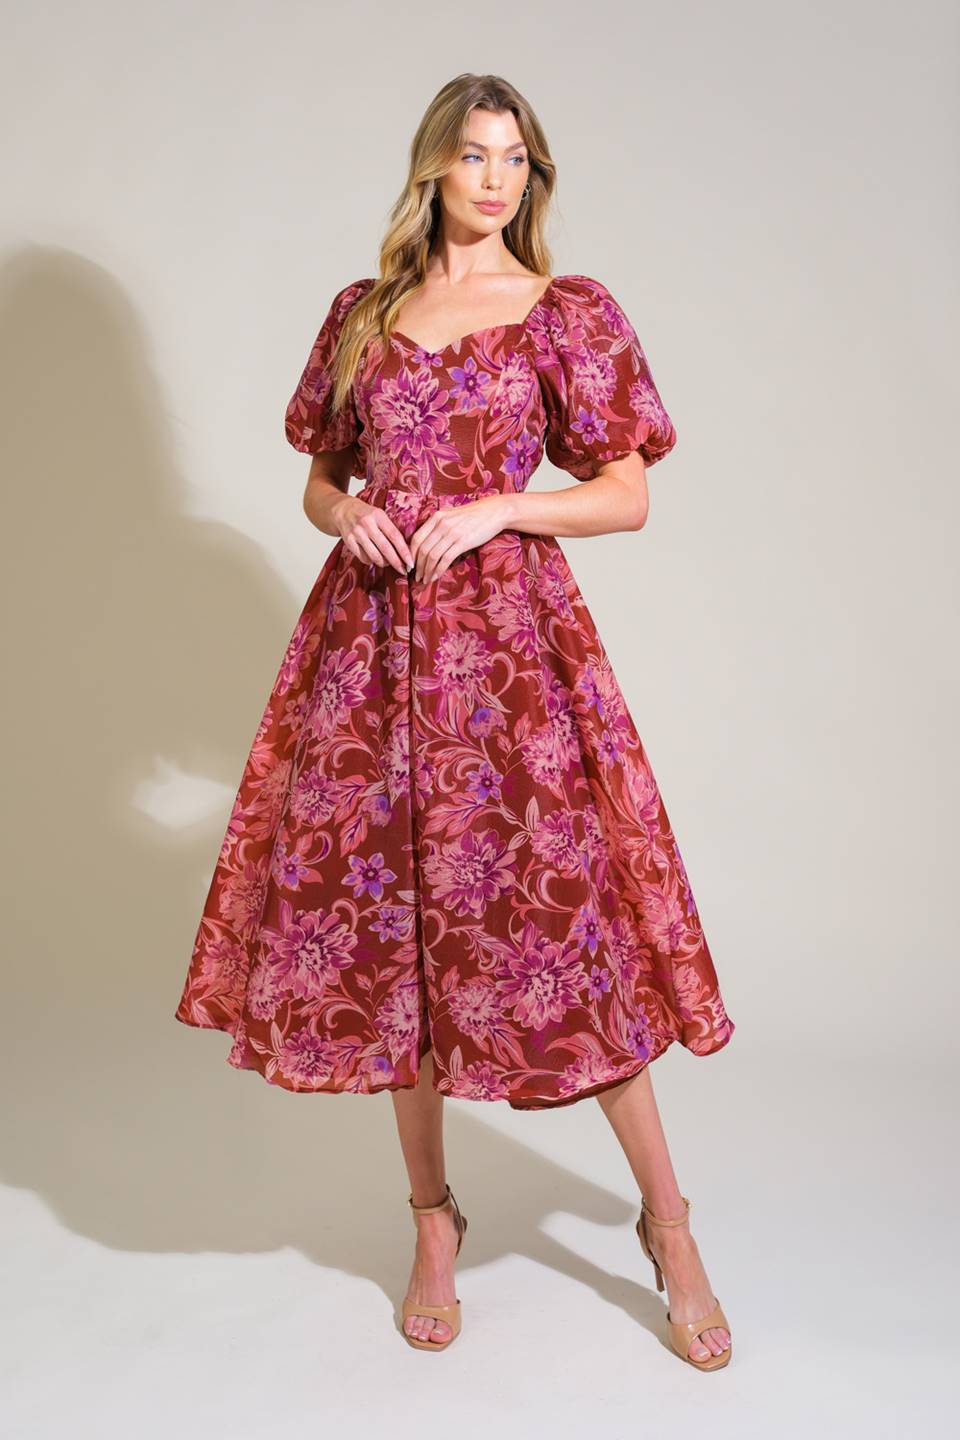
[[416, 217]]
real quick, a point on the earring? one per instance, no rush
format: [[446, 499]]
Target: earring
[[525, 191]]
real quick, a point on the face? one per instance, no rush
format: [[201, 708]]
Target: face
[[491, 169]]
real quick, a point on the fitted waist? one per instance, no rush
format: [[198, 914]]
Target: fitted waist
[[409, 508]]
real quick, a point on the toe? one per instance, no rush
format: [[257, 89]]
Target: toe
[[698, 1350]]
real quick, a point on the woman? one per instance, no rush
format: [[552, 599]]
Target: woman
[[448, 860]]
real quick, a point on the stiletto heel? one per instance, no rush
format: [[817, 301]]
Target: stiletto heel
[[683, 1333], [451, 1314]]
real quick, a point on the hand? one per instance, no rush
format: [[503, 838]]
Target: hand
[[369, 534], [451, 530]]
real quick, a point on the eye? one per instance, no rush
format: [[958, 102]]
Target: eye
[[472, 155]]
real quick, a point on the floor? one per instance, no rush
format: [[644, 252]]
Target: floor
[[233, 1266]]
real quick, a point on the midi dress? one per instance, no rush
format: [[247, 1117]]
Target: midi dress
[[447, 835]]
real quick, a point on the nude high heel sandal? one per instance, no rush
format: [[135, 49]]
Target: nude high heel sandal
[[449, 1313], [682, 1335]]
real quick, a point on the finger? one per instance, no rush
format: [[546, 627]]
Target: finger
[[385, 543], [399, 541], [368, 546], [443, 557]]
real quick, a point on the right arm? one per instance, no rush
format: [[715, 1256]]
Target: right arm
[[367, 531]]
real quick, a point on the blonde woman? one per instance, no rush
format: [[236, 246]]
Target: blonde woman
[[449, 869]]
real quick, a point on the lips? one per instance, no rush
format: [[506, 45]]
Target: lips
[[491, 206]]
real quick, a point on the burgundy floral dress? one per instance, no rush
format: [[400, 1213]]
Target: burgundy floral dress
[[447, 834]]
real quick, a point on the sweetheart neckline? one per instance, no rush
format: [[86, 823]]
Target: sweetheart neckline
[[396, 334]]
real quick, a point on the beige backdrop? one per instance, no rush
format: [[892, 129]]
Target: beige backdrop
[[770, 191]]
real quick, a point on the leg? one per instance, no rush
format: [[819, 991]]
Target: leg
[[419, 1115], [632, 1111]]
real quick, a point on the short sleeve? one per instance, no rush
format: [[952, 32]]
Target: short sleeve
[[599, 394], [310, 423]]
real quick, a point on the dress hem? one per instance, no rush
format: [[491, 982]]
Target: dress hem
[[538, 1102]]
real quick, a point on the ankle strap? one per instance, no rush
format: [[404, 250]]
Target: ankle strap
[[428, 1209], [656, 1219]]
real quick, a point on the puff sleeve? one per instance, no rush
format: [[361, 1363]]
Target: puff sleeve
[[599, 395], [310, 424]]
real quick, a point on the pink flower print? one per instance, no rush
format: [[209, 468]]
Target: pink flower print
[[310, 952], [302, 646], [242, 896], [338, 689], [554, 842], [585, 929], [514, 387], [313, 797], [596, 379], [393, 922], [601, 691], [551, 585], [585, 1071], [377, 809], [307, 1058], [509, 610], [590, 425], [396, 761], [593, 833], [479, 1081], [541, 982], [397, 1020], [550, 751], [470, 873], [223, 964], [689, 990], [644, 795], [470, 385], [267, 798], [462, 661], [600, 981], [664, 923], [645, 403], [474, 1008], [263, 995], [411, 414], [484, 782], [368, 877]]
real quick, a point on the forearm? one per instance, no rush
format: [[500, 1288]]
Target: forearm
[[327, 487], [612, 501]]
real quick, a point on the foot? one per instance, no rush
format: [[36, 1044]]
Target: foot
[[432, 1276], [688, 1289]]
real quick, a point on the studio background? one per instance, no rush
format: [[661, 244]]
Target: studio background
[[770, 192]]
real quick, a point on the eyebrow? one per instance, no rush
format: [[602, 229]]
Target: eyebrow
[[520, 145]]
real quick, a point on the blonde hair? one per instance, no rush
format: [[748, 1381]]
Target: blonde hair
[[416, 215]]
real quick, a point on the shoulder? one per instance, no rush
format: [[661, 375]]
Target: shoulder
[[585, 309], [348, 295]]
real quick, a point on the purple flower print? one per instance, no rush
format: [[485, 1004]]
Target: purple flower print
[[590, 426], [470, 386], [600, 981], [368, 877]]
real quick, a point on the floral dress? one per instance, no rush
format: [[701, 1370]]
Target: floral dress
[[447, 835]]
